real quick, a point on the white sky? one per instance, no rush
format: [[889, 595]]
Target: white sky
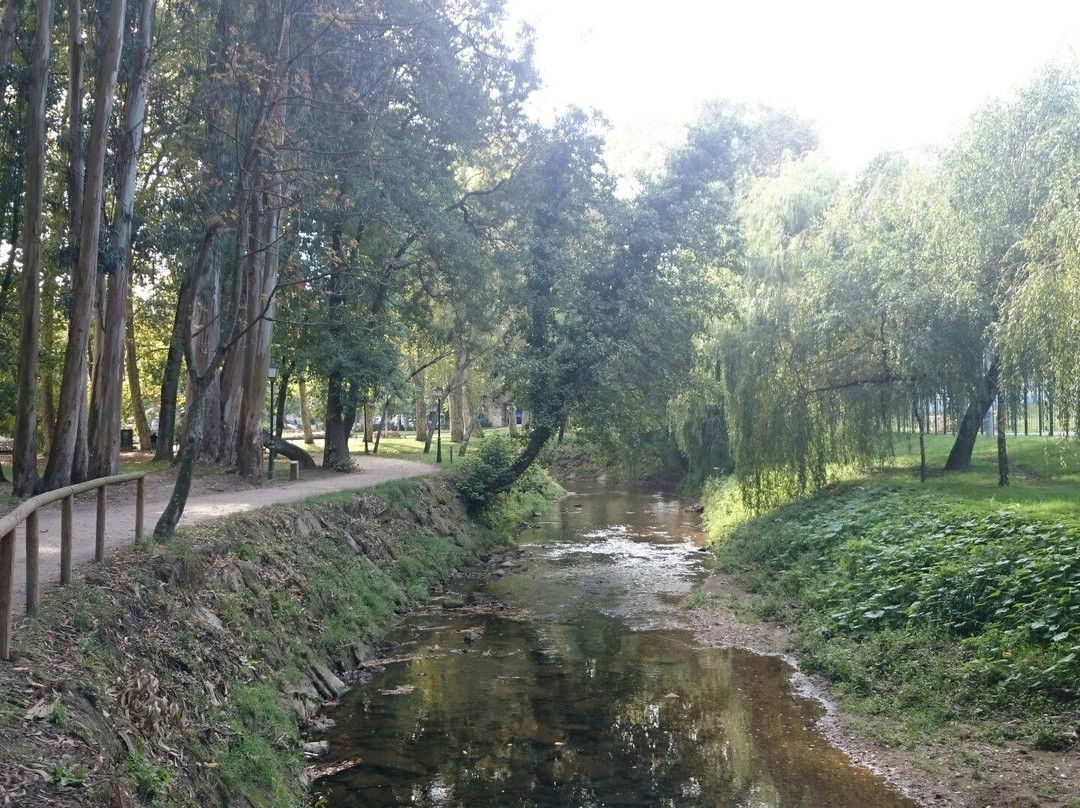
[[873, 75]]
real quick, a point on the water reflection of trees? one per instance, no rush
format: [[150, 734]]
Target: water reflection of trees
[[586, 714]]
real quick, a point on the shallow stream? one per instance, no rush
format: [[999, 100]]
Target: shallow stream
[[574, 681]]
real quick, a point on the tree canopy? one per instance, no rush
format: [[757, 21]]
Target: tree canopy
[[358, 192]]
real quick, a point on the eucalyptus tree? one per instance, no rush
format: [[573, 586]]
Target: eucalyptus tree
[[65, 462], [108, 373], [25, 450], [346, 180]]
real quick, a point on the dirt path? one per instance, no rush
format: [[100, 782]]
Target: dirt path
[[204, 504]]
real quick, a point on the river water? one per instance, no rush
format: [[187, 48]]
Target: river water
[[574, 682]]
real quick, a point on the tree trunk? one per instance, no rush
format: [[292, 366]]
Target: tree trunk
[[457, 408], [24, 459], [9, 24], [472, 427], [283, 391], [235, 375], [1002, 452], [13, 240], [76, 165], [138, 407], [431, 428], [338, 407], [420, 407], [960, 456], [59, 470], [385, 415], [305, 409], [339, 425], [922, 439], [293, 452], [189, 452], [205, 339], [170, 379], [232, 374], [513, 418], [106, 397], [47, 420], [262, 175]]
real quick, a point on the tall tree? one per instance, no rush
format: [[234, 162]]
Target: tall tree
[[25, 457], [105, 400], [60, 467]]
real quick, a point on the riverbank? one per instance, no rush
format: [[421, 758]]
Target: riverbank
[[576, 679], [941, 620], [181, 674]]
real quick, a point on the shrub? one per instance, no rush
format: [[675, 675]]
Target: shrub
[[480, 476]]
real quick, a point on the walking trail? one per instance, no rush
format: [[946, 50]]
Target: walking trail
[[120, 512]]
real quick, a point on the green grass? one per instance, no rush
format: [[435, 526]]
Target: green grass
[[407, 448], [953, 601], [1045, 474], [303, 596]]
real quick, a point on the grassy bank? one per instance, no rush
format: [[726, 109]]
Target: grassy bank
[[950, 608], [181, 674]]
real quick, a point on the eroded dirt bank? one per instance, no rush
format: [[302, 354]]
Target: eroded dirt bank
[[182, 674]]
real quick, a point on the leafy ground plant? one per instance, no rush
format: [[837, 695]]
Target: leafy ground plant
[[914, 603]]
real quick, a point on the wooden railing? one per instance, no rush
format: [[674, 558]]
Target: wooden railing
[[27, 513]]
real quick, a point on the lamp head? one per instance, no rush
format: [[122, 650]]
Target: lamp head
[[272, 372]]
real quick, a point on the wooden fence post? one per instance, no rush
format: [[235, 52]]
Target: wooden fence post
[[7, 591], [33, 580], [65, 540], [140, 508], [99, 542]]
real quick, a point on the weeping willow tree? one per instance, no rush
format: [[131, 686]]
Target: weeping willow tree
[[835, 340], [1039, 337]]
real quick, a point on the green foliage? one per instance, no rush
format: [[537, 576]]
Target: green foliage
[[899, 594], [479, 477], [151, 781], [261, 750], [64, 776]]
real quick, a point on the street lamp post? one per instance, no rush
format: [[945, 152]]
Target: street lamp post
[[438, 416], [271, 374]]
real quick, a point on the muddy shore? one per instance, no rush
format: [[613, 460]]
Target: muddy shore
[[954, 772]]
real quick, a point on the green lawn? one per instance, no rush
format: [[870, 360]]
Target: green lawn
[[1045, 474], [406, 447]]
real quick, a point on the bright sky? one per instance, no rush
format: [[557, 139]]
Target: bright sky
[[873, 75]]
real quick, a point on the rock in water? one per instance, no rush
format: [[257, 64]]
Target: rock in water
[[472, 634]]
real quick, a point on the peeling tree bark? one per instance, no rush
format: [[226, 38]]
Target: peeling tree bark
[[106, 397], [59, 470], [25, 451]]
